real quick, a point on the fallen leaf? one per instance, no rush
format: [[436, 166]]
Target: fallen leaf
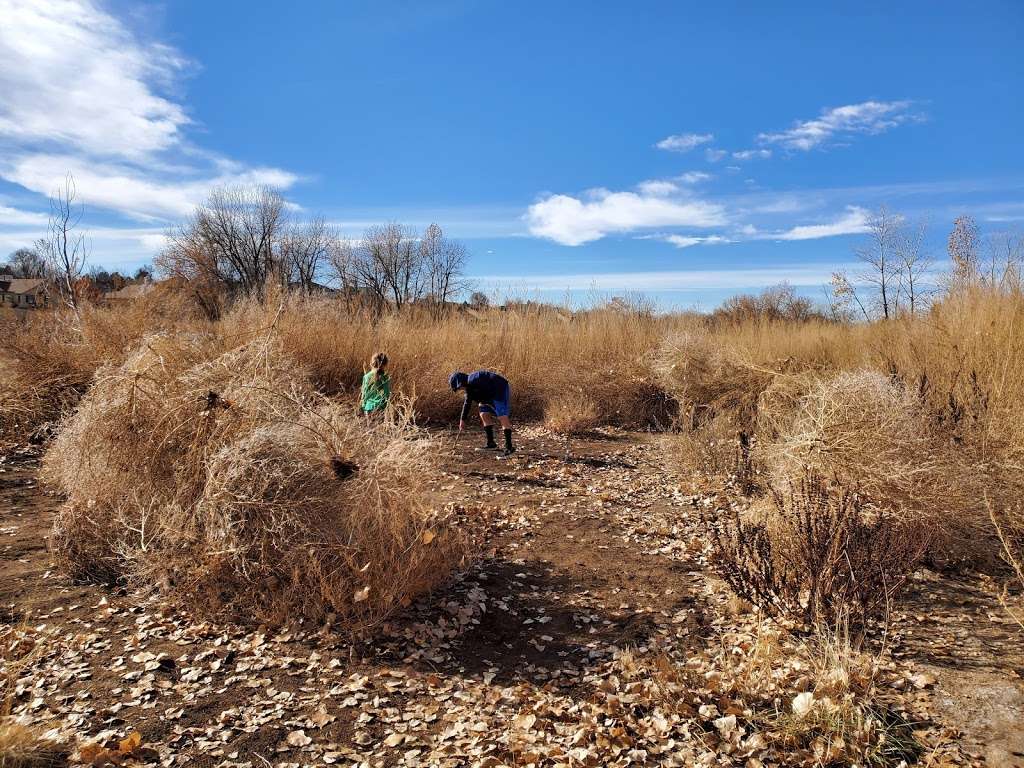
[[298, 739]]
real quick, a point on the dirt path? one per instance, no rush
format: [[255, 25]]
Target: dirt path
[[522, 660]]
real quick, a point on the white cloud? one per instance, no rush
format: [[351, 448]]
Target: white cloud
[[685, 241], [752, 154], [867, 117], [13, 217], [714, 155], [684, 142], [127, 188], [72, 74], [670, 280], [80, 92], [693, 177], [571, 221], [657, 187], [854, 222]]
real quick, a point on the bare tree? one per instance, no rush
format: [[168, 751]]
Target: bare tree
[[883, 269], [844, 293], [65, 249], [27, 262], [1004, 252], [240, 240], [443, 260], [231, 240], [963, 250], [387, 266], [305, 249], [914, 264]]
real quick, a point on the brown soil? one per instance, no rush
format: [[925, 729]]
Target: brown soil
[[592, 550]]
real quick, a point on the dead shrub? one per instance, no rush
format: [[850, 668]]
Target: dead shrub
[[816, 553], [868, 431], [708, 379], [1009, 525], [221, 477]]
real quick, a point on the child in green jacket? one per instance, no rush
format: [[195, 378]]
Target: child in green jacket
[[376, 385]]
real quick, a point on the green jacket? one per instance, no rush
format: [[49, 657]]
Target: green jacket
[[375, 393]]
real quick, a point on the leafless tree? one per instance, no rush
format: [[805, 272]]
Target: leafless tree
[[231, 240], [914, 264], [395, 268], [844, 294], [882, 265], [387, 266], [240, 240], [963, 250], [27, 262], [65, 249], [304, 249], [1004, 254], [443, 260]]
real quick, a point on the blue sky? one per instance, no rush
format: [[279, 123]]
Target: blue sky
[[684, 150]]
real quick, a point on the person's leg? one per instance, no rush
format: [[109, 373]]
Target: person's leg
[[488, 420], [503, 410]]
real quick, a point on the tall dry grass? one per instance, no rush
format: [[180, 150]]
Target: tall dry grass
[[598, 365], [546, 354], [49, 358]]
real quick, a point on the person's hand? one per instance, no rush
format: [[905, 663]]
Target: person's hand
[[462, 425]]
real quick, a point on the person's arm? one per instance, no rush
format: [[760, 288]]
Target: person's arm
[[386, 388], [465, 410], [365, 390]]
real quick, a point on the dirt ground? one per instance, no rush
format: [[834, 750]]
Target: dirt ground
[[594, 558]]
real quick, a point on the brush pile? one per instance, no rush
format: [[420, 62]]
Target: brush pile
[[219, 476]]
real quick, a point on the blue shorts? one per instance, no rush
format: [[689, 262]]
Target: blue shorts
[[499, 407]]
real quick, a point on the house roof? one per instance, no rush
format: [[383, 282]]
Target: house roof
[[22, 284]]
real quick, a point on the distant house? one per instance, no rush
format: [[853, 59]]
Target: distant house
[[23, 292]]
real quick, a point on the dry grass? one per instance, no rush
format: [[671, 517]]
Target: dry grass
[[571, 414], [221, 477], [544, 352], [49, 358], [921, 416], [24, 747]]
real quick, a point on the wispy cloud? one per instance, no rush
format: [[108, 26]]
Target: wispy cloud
[[853, 222], [714, 155], [669, 280], [688, 241], [869, 117], [13, 217], [684, 142], [657, 187], [80, 92], [752, 154], [572, 221], [693, 177]]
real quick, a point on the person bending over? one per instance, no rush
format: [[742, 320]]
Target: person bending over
[[494, 395]]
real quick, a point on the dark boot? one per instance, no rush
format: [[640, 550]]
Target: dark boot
[[509, 448], [491, 445]]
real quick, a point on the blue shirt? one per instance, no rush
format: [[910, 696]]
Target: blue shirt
[[484, 387]]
